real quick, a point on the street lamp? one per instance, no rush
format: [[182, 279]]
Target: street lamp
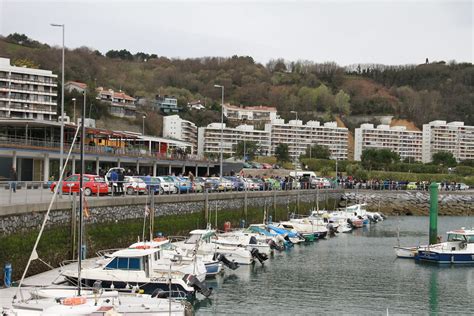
[[74, 110], [222, 126], [143, 126], [296, 141], [62, 103]]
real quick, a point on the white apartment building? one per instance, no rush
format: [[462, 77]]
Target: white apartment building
[[299, 136], [209, 138], [120, 104], [250, 113], [407, 144], [177, 128], [27, 93], [453, 137]]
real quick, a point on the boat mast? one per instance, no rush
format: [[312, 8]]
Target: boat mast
[[81, 197]]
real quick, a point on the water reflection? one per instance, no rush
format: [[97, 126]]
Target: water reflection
[[434, 292]]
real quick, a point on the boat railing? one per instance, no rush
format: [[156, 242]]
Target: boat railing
[[104, 252], [64, 263]]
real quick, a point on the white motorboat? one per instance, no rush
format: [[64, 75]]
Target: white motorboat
[[170, 251], [206, 237], [241, 238], [306, 229], [458, 249], [65, 301], [319, 228], [147, 269]]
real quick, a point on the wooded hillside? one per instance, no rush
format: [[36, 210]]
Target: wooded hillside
[[419, 93]]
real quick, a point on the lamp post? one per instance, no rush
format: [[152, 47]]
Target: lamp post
[[143, 124], [62, 26], [296, 141], [222, 127], [74, 110]]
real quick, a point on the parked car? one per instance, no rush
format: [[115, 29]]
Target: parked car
[[256, 165], [266, 166], [116, 169], [260, 183], [412, 186], [237, 183], [92, 184], [250, 184], [226, 184], [273, 184], [322, 183], [168, 184], [134, 185], [183, 184], [152, 184], [247, 165], [463, 186], [213, 185]]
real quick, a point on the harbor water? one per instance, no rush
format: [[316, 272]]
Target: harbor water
[[355, 273]]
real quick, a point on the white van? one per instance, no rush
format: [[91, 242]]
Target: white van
[[299, 174]]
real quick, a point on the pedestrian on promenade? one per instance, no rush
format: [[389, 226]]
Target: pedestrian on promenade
[[120, 179], [114, 179], [13, 179]]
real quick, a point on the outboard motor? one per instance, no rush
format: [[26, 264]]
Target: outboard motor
[[199, 286], [230, 264], [288, 242], [377, 218], [371, 218], [331, 230], [349, 221], [274, 245], [258, 255], [383, 215]]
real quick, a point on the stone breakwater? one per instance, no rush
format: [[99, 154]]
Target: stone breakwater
[[129, 208], [412, 202]]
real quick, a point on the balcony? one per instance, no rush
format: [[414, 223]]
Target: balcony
[[128, 151]]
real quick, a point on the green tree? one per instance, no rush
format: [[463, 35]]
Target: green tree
[[247, 149], [317, 151], [444, 158], [341, 103], [281, 153], [378, 158], [324, 98]]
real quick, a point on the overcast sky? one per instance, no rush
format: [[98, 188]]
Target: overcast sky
[[347, 32]]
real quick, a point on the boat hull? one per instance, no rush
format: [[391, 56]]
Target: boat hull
[[406, 252], [177, 290], [213, 268], [445, 257]]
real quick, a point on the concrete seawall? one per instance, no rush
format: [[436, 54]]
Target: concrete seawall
[[18, 218]]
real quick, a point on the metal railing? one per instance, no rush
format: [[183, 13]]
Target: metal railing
[[38, 144]]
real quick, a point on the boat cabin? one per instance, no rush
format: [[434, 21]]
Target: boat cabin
[[133, 259], [461, 235]]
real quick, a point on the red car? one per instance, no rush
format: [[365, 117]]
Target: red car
[[267, 166], [92, 184]]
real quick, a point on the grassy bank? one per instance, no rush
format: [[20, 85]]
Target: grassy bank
[[56, 244]]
